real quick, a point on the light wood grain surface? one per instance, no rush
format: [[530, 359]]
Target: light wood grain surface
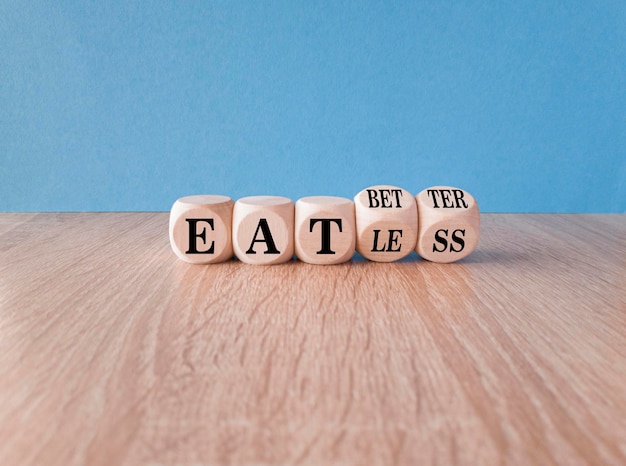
[[113, 351]]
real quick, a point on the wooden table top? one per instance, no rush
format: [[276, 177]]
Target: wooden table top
[[113, 351]]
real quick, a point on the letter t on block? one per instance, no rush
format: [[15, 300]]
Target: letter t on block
[[200, 229], [325, 230]]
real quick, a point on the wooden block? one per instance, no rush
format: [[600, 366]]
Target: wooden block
[[200, 228], [449, 224], [263, 229], [386, 223], [325, 229]]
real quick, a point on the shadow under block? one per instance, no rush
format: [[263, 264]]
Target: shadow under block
[[449, 224], [325, 230], [263, 229], [386, 223], [200, 229]]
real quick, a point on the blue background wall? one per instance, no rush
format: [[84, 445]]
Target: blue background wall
[[128, 106]]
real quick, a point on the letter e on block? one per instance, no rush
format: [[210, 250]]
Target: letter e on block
[[200, 229], [325, 230], [449, 224]]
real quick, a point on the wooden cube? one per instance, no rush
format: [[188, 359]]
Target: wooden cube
[[325, 229], [200, 228], [263, 229], [449, 224], [386, 223]]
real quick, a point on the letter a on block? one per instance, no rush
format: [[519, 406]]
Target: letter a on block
[[200, 229], [263, 229], [267, 239]]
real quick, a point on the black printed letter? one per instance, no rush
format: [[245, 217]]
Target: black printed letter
[[267, 239], [193, 234]]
